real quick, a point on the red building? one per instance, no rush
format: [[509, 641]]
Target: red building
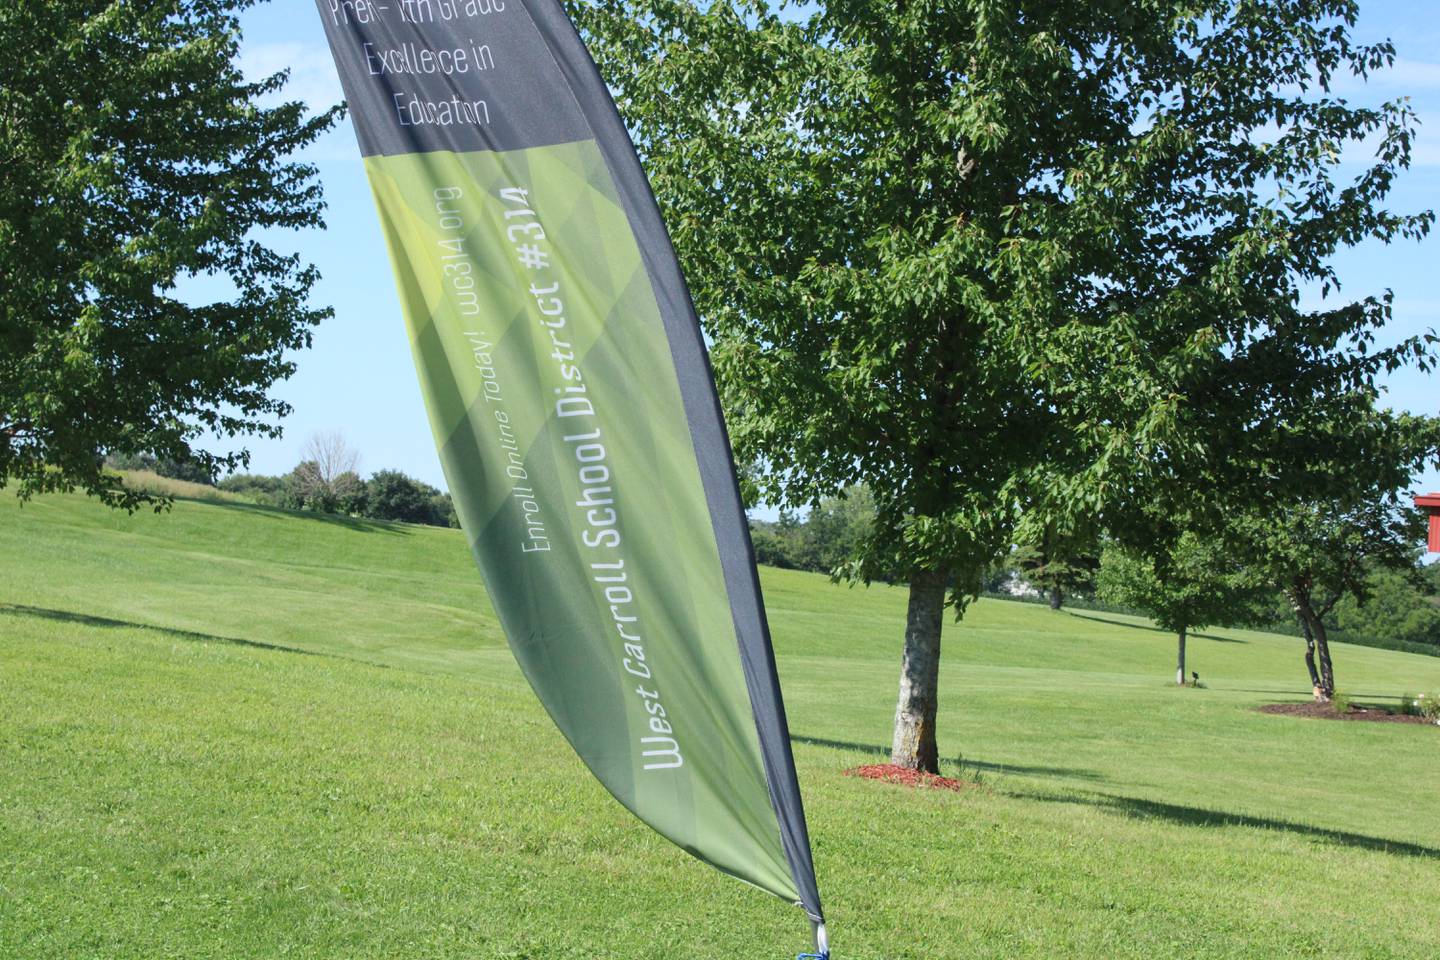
[[1431, 504]]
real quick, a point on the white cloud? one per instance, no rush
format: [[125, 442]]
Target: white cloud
[[1413, 75], [1426, 152], [313, 79]]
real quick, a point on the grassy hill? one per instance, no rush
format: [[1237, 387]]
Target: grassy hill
[[232, 732]]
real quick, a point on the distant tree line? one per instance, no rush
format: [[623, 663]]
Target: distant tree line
[[826, 541], [191, 471], [326, 480], [1382, 599], [386, 495]]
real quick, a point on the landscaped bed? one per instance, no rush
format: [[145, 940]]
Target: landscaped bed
[[1330, 711], [890, 773]]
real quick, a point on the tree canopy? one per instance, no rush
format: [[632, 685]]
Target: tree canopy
[[979, 254], [1319, 553], [134, 157], [1190, 584]]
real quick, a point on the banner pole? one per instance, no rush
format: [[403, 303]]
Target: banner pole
[[822, 943]]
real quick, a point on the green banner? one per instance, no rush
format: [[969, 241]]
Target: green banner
[[571, 400]]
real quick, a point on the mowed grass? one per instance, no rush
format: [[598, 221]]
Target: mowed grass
[[231, 732]]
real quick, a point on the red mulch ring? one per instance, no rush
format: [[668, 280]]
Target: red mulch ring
[[890, 773], [1328, 711]]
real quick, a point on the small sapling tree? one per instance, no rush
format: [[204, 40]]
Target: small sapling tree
[[1318, 552], [1185, 585]]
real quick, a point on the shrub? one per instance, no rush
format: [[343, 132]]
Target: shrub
[[268, 491], [155, 485], [189, 471], [391, 495], [1398, 608], [442, 509]]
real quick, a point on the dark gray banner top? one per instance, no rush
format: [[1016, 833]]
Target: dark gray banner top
[[459, 75]]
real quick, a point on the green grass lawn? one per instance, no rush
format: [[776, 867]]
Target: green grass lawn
[[233, 732]]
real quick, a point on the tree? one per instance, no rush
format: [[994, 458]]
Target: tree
[[1059, 565], [838, 528], [826, 542], [391, 495], [269, 491], [443, 510], [1401, 606], [326, 478], [1186, 585], [1016, 252], [192, 471], [133, 157], [1318, 552]]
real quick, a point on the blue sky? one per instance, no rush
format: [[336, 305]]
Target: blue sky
[[358, 378]]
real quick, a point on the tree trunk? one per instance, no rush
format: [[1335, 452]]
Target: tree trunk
[[1180, 660], [1325, 692], [1310, 658], [1056, 598], [914, 742], [1299, 598], [1322, 682]]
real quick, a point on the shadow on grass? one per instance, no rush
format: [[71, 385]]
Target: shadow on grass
[[1200, 817], [987, 767], [1141, 626], [358, 524], [87, 620]]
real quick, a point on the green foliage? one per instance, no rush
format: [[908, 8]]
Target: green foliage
[[271, 491], [783, 544], [1058, 567], [312, 489], [1425, 705], [190, 470], [1321, 552], [387, 495], [1194, 583], [391, 495], [134, 156], [1019, 266], [1275, 614], [1318, 552], [829, 539], [1397, 607], [327, 478], [1019, 254]]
